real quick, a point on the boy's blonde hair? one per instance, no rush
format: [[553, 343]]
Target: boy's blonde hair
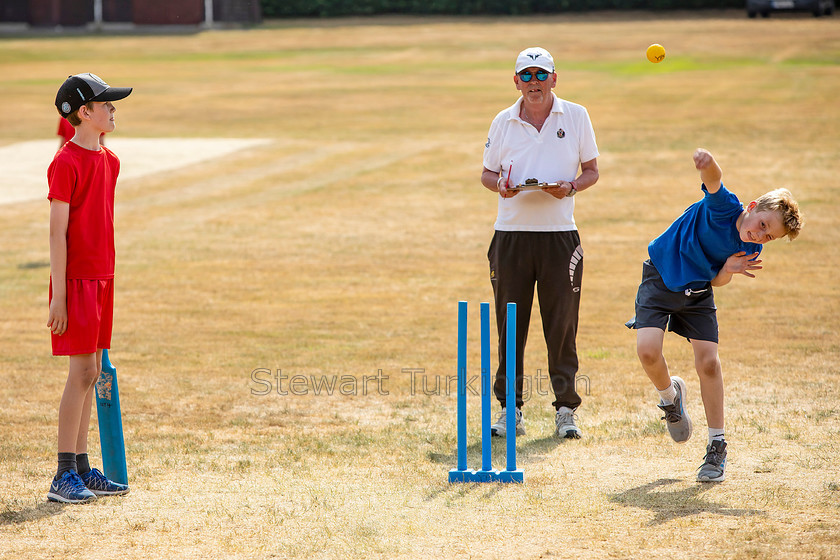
[[782, 201]]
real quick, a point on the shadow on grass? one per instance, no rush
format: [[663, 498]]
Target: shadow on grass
[[37, 512], [673, 504], [460, 490]]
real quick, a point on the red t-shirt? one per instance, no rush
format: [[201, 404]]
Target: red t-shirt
[[86, 180]]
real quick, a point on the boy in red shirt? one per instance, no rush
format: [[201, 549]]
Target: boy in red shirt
[[82, 178], [65, 132]]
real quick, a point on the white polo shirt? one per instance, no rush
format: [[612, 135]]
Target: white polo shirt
[[553, 154]]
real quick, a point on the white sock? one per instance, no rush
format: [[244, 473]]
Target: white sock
[[715, 433], [668, 395]]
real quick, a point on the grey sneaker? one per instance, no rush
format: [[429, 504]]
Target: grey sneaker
[[500, 427], [564, 420], [714, 465], [679, 424]]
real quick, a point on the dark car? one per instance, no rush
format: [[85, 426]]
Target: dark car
[[764, 7]]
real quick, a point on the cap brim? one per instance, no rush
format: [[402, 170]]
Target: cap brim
[[113, 94], [530, 65]]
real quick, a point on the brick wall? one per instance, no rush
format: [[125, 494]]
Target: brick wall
[[70, 13], [168, 12]]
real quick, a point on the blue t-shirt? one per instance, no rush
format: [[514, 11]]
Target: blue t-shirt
[[691, 252]]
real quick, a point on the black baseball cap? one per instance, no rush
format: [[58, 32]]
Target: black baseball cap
[[82, 88]]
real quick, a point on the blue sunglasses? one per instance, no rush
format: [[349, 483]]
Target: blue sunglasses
[[526, 75]]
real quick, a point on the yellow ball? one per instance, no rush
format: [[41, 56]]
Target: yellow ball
[[655, 53]]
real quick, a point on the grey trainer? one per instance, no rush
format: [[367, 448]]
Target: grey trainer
[[500, 427], [679, 424], [564, 420], [714, 465]]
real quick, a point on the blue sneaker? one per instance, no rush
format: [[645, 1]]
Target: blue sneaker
[[100, 485], [70, 489]]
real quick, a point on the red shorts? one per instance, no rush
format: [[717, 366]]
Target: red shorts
[[90, 317]]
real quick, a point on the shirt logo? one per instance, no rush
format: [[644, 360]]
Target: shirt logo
[[561, 133], [487, 145]]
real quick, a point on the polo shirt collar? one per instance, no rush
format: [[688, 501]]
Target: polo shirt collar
[[513, 113]]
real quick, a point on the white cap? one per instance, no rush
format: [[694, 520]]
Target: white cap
[[534, 57]]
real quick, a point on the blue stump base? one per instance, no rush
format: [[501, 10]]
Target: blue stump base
[[470, 475], [461, 476], [512, 476]]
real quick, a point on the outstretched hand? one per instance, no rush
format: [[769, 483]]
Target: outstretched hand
[[710, 172], [742, 263], [703, 159]]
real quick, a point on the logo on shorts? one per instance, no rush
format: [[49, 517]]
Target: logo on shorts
[[577, 256], [561, 133]]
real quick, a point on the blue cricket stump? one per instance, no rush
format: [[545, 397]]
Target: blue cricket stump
[[487, 473]]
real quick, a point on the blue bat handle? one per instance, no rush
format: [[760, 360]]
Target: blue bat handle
[[110, 422]]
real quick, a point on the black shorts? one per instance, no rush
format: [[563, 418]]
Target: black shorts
[[691, 313]]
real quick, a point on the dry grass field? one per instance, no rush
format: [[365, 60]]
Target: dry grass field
[[338, 252]]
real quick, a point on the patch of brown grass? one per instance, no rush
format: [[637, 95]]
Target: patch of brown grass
[[339, 252]]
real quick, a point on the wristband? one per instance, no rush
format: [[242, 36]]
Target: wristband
[[572, 192]]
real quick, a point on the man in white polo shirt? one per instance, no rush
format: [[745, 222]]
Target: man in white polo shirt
[[536, 241]]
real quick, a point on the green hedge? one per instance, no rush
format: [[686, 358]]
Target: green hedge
[[332, 8]]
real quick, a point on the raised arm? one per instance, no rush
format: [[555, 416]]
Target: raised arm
[[710, 172]]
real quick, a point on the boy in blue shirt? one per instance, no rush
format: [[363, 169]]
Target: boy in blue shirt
[[713, 240]]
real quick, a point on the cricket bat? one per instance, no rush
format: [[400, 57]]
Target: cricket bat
[[110, 422]]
